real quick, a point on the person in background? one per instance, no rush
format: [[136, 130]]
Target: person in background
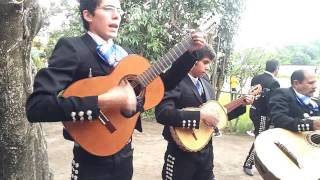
[[259, 113], [234, 82], [192, 91], [90, 55]]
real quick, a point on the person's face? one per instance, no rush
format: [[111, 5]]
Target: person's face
[[200, 67], [106, 19], [308, 86]]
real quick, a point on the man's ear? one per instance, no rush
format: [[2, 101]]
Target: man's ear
[[87, 16], [296, 82]]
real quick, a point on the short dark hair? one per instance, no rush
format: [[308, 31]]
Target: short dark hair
[[89, 5], [205, 52], [297, 75], [272, 65]]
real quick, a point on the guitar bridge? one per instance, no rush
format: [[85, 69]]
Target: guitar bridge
[[194, 134], [106, 122]]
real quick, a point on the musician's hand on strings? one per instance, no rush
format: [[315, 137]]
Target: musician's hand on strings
[[198, 41], [122, 97], [248, 99], [209, 116]]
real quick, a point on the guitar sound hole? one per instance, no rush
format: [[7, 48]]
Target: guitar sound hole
[[315, 138], [136, 85], [139, 90]]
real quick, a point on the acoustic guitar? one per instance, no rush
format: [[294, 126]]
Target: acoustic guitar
[[283, 154], [193, 140], [111, 132]]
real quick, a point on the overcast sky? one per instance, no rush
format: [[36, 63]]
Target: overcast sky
[[272, 23]]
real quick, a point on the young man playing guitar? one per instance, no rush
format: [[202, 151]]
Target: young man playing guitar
[[192, 91], [92, 55]]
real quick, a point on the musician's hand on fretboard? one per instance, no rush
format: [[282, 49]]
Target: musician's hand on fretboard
[[248, 99]]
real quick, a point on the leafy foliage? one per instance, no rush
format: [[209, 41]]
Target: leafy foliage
[[38, 54], [223, 43], [70, 25], [144, 35], [248, 63], [300, 54], [152, 28]]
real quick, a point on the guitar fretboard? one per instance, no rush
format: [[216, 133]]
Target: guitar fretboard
[[234, 104], [164, 62]]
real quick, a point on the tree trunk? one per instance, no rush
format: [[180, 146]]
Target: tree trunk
[[23, 152]]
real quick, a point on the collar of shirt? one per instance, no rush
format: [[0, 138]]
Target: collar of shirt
[[304, 98], [98, 39], [193, 79], [269, 73]]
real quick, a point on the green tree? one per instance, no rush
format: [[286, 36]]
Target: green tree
[[152, 27], [223, 44], [248, 63], [300, 58], [300, 54]]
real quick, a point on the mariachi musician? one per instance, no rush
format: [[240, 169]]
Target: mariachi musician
[[192, 91]]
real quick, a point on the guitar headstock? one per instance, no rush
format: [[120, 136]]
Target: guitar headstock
[[255, 91], [208, 22]]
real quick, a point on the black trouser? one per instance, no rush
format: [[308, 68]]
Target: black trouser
[[261, 123], [182, 165], [89, 167]]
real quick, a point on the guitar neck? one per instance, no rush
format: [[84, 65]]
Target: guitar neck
[[234, 104], [164, 62]]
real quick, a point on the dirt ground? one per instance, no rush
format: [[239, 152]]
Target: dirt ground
[[149, 146]]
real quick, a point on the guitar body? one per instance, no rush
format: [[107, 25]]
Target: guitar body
[[193, 140], [93, 136], [282, 154]]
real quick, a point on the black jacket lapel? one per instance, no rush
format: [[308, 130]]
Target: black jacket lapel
[[194, 89], [87, 39]]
